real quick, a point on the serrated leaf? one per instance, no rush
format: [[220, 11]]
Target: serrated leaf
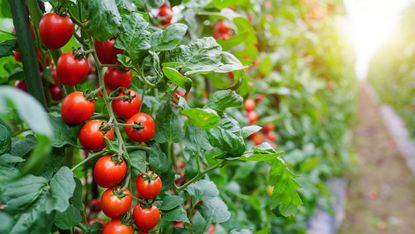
[[126, 5], [10, 159], [7, 47], [249, 130], [62, 186], [21, 147], [176, 215], [202, 190], [64, 134], [177, 78], [215, 210], [227, 136], [76, 199], [168, 124], [202, 118], [5, 139], [171, 201], [220, 100], [68, 219], [138, 160], [168, 38]]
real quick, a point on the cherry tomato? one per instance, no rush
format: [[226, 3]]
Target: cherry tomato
[[147, 131], [21, 84], [124, 108], [180, 93], [116, 202], [260, 98], [146, 218], [271, 136], [211, 229], [92, 135], [115, 226], [94, 205], [107, 53], [71, 70], [231, 77], [55, 30], [54, 75], [257, 138], [76, 108], [114, 78], [267, 128], [56, 92], [179, 225], [249, 105], [222, 31], [252, 117], [108, 172], [148, 185], [165, 14], [17, 56]]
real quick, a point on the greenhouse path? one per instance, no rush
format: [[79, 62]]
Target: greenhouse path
[[381, 192]]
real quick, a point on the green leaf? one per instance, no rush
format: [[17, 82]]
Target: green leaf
[[202, 118], [5, 11], [169, 38], [170, 202], [220, 100], [227, 137], [162, 166], [138, 160], [5, 139], [10, 159], [126, 5], [103, 18], [169, 127], [7, 47], [176, 215], [62, 186], [215, 210], [68, 219], [28, 109], [177, 78], [64, 134], [261, 155], [21, 147], [285, 195], [202, 190], [249, 130], [6, 222], [199, 223], [36, 160], [95, 228], [76, 199], [196, 139]]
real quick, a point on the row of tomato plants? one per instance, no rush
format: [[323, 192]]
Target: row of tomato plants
[[145, 104]]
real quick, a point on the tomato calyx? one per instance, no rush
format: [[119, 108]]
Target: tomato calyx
[[105, 127], [138, 126], [119, 192], [78, 53], [117, 159], [127, 96], [91, 95], [127, 219], [150, 176]]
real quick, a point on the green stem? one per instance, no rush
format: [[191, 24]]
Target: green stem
[[92, 156], [139, 147], [200, 175]]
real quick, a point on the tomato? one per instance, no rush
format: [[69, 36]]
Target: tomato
[[271, 136], [71, 70], [179, 225], [180, 93], [106, 51], [165, 14], [21, 84], [148, 185], [94, 205], [147, 131], [231, 77], [76, 108], [114, 78], [126, 107], [249, 105], [252, 117], [116, 202], [115, 226], [146, 218], [108, 172], [260, 98], [17, 56], [211, 229], [221, 30], [54, 75], [55, 30], [257, 138], [92, 135], [267, 128], [56, 92]]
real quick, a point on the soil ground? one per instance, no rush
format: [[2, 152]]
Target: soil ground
[[381, 193]]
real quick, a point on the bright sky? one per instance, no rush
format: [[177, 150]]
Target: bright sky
[[371, 22]]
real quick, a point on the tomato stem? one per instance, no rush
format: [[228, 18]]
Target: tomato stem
[[93, 156]]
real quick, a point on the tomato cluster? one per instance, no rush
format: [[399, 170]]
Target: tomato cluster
[[221, 30]]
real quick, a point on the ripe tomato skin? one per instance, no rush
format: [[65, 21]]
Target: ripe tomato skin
[[54, 75], [222, 31], [115, 226], [107, 53], [249, 105], [76, 108], [114, 78], [267, 128], [257, 138], [17, 56], [114, 206], [94, 205], [55, 30], [150, 188], [271, 136], [124, 109], [146, 218], [252, 117], [211, 229], [92, 138], [144, 134], [165, 13], [56, 92], [107, 173], [70, 70], [21, 84]]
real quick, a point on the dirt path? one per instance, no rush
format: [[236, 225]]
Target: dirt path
[[381, 194]]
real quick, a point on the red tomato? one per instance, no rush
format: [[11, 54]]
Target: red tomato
[[148, 185], [21, 84], [116, 202], [92, 135], [179, 225], [71, 70], [94, 205], [260, 98], [165, 14], [54, 75], [249, 105], [107, 53], [17, 56], [76, 108], [252, 117], [267, 128], [55, 30], [56, 92], [257, 138], [271, 136], [114, 78], [211, 229], [127, 107], [147, 131], [108, 173], [146, 218], [115, 226], [221, 30]]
